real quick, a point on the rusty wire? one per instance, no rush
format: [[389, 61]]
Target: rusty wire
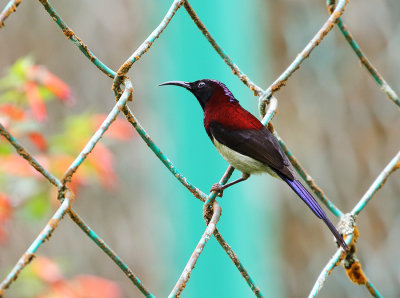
[[123, 90]]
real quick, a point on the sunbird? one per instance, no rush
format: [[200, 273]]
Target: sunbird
[[245, 143]]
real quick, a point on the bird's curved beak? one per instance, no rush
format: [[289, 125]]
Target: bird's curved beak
[[185, 85]]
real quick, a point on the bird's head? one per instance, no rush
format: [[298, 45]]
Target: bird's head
[[205, 90]]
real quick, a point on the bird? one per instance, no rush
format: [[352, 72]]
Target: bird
[[245, 143]]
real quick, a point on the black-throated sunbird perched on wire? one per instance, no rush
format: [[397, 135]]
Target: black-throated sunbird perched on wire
[[245, 143]]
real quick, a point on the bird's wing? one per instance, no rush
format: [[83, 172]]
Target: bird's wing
[[258, 144]]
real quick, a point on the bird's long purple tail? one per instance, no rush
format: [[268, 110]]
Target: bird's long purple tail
[[303, 193]]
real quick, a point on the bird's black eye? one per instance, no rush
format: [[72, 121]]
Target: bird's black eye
[[201, 85]]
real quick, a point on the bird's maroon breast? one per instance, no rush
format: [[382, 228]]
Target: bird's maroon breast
[[231, 115]]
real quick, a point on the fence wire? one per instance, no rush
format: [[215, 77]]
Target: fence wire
[[123, 90]]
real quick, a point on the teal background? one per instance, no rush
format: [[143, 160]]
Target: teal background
[[249, 222]]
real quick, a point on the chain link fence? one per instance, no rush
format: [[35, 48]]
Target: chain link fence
[[123, 90]]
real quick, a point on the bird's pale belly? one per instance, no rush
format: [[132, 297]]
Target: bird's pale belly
[[242, 163]]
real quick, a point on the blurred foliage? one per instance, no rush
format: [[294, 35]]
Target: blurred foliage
[[25, 91], [45, 279]]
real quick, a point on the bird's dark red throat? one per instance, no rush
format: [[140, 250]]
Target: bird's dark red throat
[[245, 143]]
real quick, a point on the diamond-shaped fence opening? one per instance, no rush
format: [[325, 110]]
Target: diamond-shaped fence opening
[[123, 90]]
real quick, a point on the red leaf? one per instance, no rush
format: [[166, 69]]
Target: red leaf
[[35, 101], [90, 286], [120, 129], [103, 161], [3, 235], [13, 112], [6, 212], [38, 140], [5, 208], [60, 163], [16, 165], [60, 289], [5, 122], [84, 286], [44, 77], [77, 181], [47, 270]]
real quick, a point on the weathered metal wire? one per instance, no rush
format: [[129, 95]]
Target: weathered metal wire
[[145, 46], [392, 166], [232, 255], [29, 254], [372, 290], [224, 179], [99, 133], [74, 216], [235, 69], [28, 157], [304, 54], [76, 40], [385, 87], [163, 158], [271, 111], [272, 107], [315, 41], [265, 98], [308, 179], [196, 192], [107, 249], [184, 278], [332, 263], [9, 9]]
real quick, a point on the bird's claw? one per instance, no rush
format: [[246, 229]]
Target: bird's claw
[[218, 188]]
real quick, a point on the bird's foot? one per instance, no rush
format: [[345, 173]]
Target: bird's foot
[[218, 188]]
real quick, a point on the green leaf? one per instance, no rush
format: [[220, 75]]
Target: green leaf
[[77, 131], [21, 66], [5, 148], [37, 207], [30, 285], [13, 96], [46, 94], [16, 74]]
